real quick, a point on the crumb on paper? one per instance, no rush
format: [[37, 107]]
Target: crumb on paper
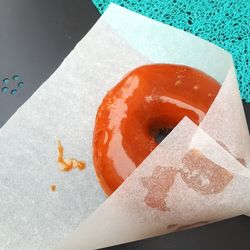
[[197, 224], [172, 226], [67, 165], [53, 187]]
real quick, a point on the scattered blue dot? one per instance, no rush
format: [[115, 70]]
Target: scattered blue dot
[[5, 89], [16, 78], [20, 84], [6, 80], [13, 91]]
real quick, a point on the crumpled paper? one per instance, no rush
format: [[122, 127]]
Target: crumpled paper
[[64, 108]]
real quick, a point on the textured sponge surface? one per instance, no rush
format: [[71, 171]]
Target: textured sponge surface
[[225, 23]]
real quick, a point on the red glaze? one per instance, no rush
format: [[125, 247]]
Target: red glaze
[[149, 98]]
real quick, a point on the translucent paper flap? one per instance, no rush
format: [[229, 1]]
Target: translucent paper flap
[[189, 180]]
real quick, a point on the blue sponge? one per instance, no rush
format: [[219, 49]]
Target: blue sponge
[[225, 23]]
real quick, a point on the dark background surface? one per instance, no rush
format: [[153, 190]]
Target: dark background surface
[[35, 37]]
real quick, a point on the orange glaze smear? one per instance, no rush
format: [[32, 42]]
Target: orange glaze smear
[[68, 164], [148, 100], [53, 187]]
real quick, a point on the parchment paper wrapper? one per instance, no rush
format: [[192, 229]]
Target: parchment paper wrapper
[[33, 217], [183, 183]]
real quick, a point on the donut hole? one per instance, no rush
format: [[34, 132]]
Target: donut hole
[[159, 134], [160, 126]]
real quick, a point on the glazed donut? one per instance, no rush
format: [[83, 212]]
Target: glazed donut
[[141, 109]]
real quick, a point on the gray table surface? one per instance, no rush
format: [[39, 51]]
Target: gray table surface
[[35, 36]]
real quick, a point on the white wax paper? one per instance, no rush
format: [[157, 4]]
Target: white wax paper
[[125, 216], [64, 108]]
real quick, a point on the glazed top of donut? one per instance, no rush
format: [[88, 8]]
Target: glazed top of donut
[[148, 101]]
